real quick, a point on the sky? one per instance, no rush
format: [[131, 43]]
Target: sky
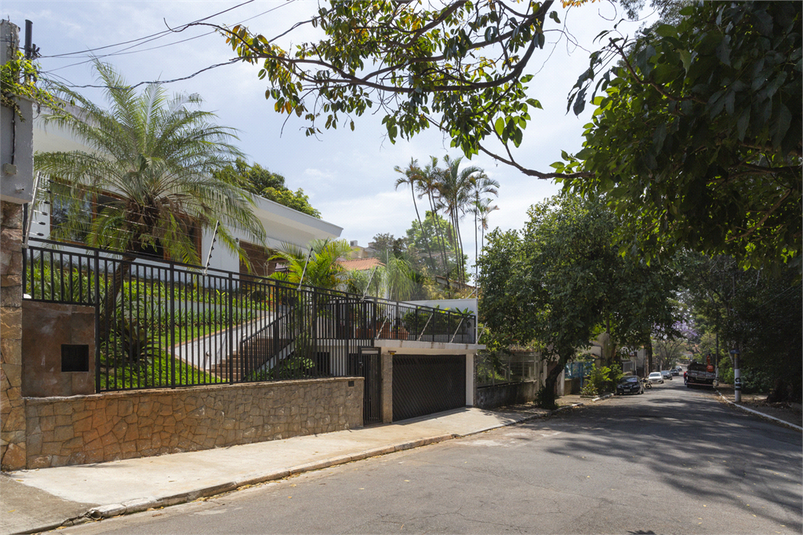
[[348, 175]]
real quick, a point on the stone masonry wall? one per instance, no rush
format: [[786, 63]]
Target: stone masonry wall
[[12, 412], [122, 425]]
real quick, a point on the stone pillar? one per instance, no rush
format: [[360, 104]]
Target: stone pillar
[[12, 408], [386, 367]]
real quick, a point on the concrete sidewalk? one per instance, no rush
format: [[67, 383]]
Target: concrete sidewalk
[[38, 500]]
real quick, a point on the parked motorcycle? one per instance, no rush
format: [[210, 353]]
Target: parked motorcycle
[[646, 383]]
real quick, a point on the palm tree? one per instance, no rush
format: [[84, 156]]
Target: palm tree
[[484, 209], [412, 175], [394, 280], [456, 189], [316, 267], [481, 185], [481, 210], [154, 158], [427, 185]]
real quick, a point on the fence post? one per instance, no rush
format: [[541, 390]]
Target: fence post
[[373, 318], [97, 319], [172, 324], [230, 360]]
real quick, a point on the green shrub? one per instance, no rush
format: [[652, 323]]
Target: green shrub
[[589, 390]]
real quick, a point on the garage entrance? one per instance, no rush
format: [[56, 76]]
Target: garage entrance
[[424, 385]]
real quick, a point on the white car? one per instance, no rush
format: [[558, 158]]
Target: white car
[[656, 377]]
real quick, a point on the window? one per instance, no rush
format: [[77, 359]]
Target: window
[[258, 257]]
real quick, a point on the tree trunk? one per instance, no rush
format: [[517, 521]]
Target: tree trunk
[[107, 311], [648, 347], [431, 262], [547, 394]]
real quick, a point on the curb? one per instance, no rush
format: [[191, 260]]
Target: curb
[[761, 414], [143, 504]]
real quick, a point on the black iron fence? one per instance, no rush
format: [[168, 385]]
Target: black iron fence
[[167, 324]]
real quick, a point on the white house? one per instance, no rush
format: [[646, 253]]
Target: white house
[[282, 224]]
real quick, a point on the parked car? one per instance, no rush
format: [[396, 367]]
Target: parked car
[[629, 384], [655, 377], [674, 371], [667, 375]]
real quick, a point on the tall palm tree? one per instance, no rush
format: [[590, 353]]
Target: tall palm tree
[[482, 209], [412, 175], [456, 189], [427, 186], [481, 185], [154, 157]]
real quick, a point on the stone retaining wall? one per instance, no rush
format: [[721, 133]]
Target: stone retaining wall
[[121, 425], [12, 412]]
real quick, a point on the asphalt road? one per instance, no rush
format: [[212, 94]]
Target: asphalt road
[[673, 460]]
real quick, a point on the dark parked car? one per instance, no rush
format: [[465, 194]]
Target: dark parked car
[[629, 384]]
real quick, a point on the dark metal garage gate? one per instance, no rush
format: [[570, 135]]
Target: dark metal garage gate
[[423, 385]]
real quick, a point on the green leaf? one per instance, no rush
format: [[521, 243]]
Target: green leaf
[[685, 57], [499, 126], [666, 30]]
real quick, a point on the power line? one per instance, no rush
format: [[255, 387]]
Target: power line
[[146, 38]]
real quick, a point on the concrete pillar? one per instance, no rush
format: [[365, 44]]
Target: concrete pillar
[[16, 186], [12, 408], [386, 366], [471, 373]]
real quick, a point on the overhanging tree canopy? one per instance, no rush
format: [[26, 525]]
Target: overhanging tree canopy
[[459, 66], [696, 140]]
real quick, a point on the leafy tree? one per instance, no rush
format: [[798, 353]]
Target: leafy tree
[[757, 311], [458, 66], [386, 246], [698, 134], [418, 243], [259, 181], [561, 278], [157, 157], [18, 77], [696, 139]]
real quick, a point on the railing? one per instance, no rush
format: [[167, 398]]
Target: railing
[[167, 324]]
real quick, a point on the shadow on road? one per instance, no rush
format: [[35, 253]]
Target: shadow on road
[[695, 444]]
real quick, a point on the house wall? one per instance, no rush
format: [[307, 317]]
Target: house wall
[[121, 425]]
